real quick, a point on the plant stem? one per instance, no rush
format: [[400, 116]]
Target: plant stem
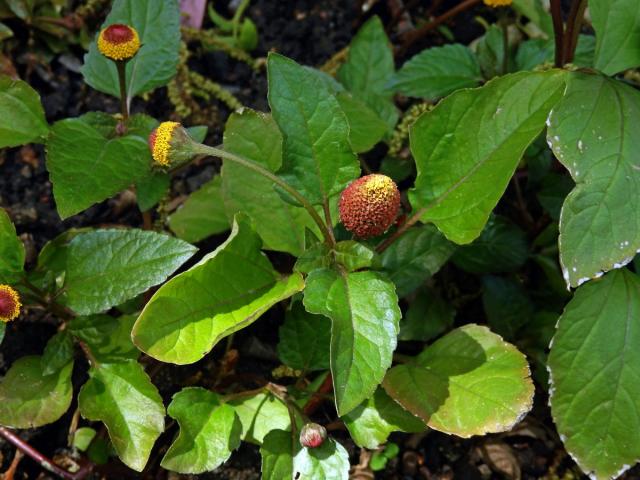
[[413, 219], [44, 462], [414, 35], [574, 22], [122, 79], [558, 30], [223, 154]]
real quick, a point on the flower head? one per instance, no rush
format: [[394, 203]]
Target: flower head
[[170, 144], [312, 435], [9, 304], [118, 42], [497, 3], [369, 205]]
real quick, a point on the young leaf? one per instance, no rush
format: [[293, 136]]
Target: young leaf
[[255, 135], [369, 68], [617, 26], [227, 291], [595, 133], [209, 432], [284, 458], [202, 215], [259, 414], [467, 148], [158, 25], [470, 382], [304, 340], [371, 423], [501, 247], [11, 251], [317, 156], [107, 338], [86, 167], [107, 267], [363, 307], [58, 353], [416, 256], [122, 396], [22, 114], [29, 398], [594, 385], [438, 71], [366, 127]]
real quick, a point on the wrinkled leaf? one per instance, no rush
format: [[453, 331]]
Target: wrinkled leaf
[[427, 317], [259, 414], [617, 26], [304, 340], [58, 353], [107, 338], [22, 114]]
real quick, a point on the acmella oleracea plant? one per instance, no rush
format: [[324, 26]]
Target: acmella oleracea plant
[[481, 193]]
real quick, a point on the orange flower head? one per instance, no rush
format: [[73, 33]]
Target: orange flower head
[[171, 145], [118, 42], [369, 205], [497, 3], [9, 304]]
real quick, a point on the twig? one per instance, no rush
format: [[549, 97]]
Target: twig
[[574, 22], [11, 471], [411, 37], [558, 30], [318, 397], [46, 463]]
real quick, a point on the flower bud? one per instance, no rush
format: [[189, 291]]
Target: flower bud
[[312, 435], [369, 205], [9, 304], [118, 42], [497, 3], [171, 145]]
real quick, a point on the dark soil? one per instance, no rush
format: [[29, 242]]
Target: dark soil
[[310, 32]]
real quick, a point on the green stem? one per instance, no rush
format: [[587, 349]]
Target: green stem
[[122, 79], [218, 152]]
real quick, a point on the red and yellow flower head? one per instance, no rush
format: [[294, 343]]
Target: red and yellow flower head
[[497, 3], [369, 205], [9, 304], [118, 42], [171, 145]]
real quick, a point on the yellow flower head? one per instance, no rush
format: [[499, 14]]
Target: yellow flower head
[[497, 3], [118, 42], [9, 304], [160, 142]]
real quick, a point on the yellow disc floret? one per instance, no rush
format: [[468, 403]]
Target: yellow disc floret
[[497, 3], [9, 304], [160, 142], [118, 42]]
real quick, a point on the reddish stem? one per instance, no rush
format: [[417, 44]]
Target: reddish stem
[[318, 397], [44, 462]]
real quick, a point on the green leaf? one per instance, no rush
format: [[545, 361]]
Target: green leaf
[[3, 328], [158, 25], [490, 52], [209, 432], [107, 267], [284, 458], [11, 251], [617, 26], [152, 189], [535, 11], [353, 255], [467, 148], [259, 414], [507, 305], [5, 32], [538, 51], [317, 157], [122, 396], [22, 114], [427, 317], [29, 398], [366, 127], [416, 256], [363, 307], [371, 423], [108, 338], [202, 215], [369, 69], [255, 135], [227, 291], [83, 438], [58, 353], [595, 133], [594, 364], [553, 192], [86, 167], [438, 71], [501, 247], [304, 340], [470, 382]]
